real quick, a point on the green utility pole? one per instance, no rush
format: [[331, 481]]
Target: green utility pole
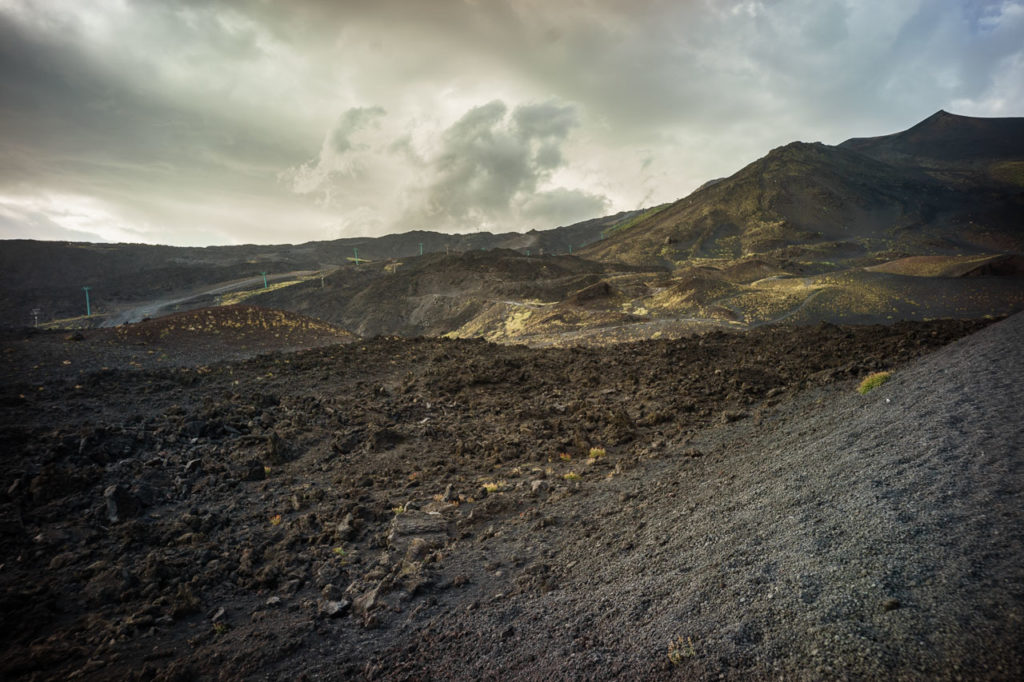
[[570, 249], [264, 280], [356, 251], [88, 310]]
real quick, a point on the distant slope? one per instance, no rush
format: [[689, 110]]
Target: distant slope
[[437, 294], [49, 276]]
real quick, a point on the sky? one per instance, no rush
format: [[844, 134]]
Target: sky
[[198, 122]]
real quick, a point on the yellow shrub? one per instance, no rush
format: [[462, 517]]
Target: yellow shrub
[[873, 381]]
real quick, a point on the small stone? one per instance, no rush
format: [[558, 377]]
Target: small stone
[[345, 528], [432, 529], [331, 592], [274, 601], [334, 608], [121, 504], [218, 615], [733, 416], [194, 466], [365, 602], [891, 604]]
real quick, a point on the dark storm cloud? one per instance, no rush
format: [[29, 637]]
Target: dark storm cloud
[[78, 129], [68, 108], [203, 120]]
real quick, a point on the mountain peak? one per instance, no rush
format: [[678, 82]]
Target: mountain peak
[[949, 138]]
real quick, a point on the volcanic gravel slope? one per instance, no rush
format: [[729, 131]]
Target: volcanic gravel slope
[[429, 509]]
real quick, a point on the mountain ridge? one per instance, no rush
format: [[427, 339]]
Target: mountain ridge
[[866, 194]]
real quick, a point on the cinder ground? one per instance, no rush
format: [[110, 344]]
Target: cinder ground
[[429, 509]]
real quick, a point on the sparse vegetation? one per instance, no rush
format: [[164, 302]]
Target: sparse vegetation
[[236, 297], [680, 649], [873, 381]]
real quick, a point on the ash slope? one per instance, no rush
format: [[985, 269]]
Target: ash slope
[[841, 536], [749, 500]]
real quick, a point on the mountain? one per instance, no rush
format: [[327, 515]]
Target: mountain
[[945, 139], [949, 185]]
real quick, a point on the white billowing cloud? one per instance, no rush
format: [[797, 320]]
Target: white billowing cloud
[[343, 153], [489, 169], [491, 165]]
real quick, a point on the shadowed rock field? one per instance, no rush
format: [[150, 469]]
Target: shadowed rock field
[[719, 506]]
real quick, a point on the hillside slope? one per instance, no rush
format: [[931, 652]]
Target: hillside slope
[[950, 185], [438, 294]]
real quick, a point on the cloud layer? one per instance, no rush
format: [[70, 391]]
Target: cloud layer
[[205, 122]]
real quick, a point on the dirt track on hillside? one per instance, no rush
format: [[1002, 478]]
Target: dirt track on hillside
[[417, 509]]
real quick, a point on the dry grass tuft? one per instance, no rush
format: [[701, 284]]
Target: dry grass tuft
[[873, 381]]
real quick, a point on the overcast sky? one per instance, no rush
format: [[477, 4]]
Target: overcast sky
[[268, 121]]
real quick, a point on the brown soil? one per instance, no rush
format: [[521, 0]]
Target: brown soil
[[449, 509]]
